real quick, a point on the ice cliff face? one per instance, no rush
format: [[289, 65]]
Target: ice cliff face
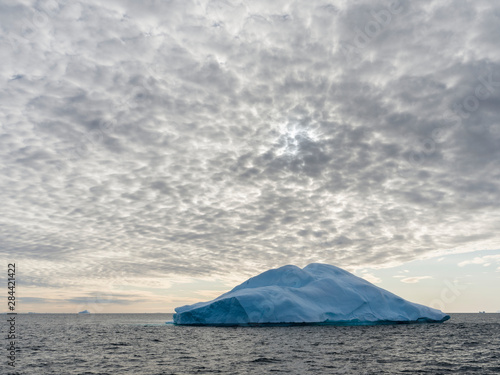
[[316, 294]]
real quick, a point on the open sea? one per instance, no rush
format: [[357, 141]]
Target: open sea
[[63, 344]]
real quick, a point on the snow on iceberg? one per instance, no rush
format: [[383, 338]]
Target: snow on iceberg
[[316, 294]]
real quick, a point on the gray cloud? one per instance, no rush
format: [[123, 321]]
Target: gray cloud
[[200, 138], [92, 300]]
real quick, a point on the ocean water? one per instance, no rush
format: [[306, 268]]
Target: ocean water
[[64, 344]]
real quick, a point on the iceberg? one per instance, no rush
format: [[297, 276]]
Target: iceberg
[[318, 294]]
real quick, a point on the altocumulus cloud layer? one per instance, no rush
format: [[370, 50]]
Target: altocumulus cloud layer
[[158, 139]]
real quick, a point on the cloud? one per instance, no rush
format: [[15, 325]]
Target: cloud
[[483, 260], [36, 300], [201, 139], [93, 300], [371, 278], [414, 279]]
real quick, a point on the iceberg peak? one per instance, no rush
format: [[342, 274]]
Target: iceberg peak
[[316, 294]]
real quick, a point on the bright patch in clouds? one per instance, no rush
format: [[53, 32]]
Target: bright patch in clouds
[[485, 260], [371, 278], [441, 281], [415, 279]]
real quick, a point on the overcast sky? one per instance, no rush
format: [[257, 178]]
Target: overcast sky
[[145, 144]]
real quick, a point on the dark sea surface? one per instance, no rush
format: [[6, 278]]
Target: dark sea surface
[[143, 344]]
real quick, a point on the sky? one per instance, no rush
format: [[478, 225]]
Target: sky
[[158, 153]]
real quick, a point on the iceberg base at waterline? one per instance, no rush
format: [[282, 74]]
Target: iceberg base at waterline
[[318, 294]]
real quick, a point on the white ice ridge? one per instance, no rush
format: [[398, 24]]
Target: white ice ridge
[[316, 294]]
